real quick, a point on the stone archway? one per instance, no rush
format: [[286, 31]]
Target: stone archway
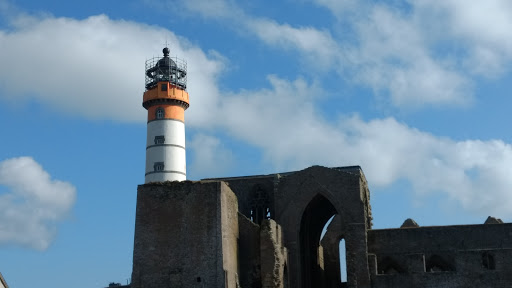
[[304, 202], [316, 214]]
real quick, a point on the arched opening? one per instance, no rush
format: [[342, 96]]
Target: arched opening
[[160, 113], [488, 261], [436, 263], [316, 214], [259, 205], [389, 266]]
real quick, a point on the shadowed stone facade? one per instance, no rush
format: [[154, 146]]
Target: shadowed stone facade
[[264, 231]]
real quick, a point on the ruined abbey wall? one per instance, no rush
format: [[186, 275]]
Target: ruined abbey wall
[[264, 231], [442, 256]]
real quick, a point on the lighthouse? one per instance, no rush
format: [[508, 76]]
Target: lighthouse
[[166, 100]]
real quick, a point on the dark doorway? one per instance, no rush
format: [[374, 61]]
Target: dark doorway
[[316, 214]]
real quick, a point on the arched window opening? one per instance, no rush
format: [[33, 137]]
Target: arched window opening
[[160, 113], [343, 261], [436, 263], [488, 261], [389, 266], [315, 216], [260, 205]]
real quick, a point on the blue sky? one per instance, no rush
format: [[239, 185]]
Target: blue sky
[[415, 92]]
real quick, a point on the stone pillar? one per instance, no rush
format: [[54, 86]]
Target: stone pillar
[[273, 255], [357, 256], [332, 263]]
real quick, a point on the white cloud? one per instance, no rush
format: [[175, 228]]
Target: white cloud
[[472, 172], [484, 28], [283, 121], [292, 135], [399, 44], [93, 67], [318, 46], [33, 204], [393, 47], [392, 56], [210, 156]]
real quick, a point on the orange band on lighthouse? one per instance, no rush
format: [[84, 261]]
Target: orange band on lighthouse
[[170, 112]]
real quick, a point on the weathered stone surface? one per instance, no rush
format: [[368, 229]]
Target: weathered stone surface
[[185, 235], [273, 255], [249, 260]]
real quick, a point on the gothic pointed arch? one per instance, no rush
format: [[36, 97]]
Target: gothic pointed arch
[[315, 215], [259, 204], [304, 201]]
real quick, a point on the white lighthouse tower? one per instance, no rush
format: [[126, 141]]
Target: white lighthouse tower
[[166, 100]]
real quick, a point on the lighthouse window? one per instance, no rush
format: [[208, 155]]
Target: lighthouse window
[[159, 140], [159, 166], [160, 113]]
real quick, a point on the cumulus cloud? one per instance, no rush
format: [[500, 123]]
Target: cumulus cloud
[[393, 47], [394, 51], [484, 28], [472, 172], [425, 52], [88, 69], [292, 135], [393, 57], [33, 205], [93, 67]]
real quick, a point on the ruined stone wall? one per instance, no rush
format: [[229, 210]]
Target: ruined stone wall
[[439, 238], [249, 260], [443, 256], [185, 235], [199, 234], [230, 235], [245, 188], [273, 255]]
